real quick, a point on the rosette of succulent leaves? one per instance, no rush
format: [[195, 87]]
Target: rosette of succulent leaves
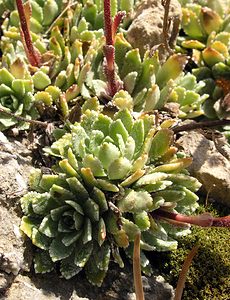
[[207, 34], [70, 62], [114, 177]]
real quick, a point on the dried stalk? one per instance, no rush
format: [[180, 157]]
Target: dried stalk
[[137, 269], [166, 25], [61, 14], [34, 122], [183, 273], [204, 124]]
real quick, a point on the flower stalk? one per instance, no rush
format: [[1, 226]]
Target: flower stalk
[[184, 272], [109, 50], [203, 220], [32, 54], [137, 269]]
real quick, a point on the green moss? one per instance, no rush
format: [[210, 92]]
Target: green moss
[[208, 276]]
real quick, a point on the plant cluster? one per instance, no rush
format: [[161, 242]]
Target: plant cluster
[[112, 175], [207, 38], [67, 61], [118, 174]]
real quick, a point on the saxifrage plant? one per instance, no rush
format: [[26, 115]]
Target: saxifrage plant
[[116, 177], [207, 38]]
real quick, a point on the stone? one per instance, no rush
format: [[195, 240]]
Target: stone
[[146, 30], [211, 163], [162, 290], [14, 169], [118, 284], [23, 288]]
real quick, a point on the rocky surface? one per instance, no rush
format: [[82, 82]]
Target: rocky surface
[[17, 279], [211, 163], [117, 285], [146, 30], [14, 167]]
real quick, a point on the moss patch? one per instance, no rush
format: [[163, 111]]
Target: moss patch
[[208, 276]]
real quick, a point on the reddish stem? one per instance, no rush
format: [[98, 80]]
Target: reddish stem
[[109, 50], [108, 23], [203, 220], [109, 69], [29, 48], [116, 22], [221, 222]]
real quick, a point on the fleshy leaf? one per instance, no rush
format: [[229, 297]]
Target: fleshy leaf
[[119, 168], [68, 268], [99, 197], [48, 227], [58, 250], [101, 232], [43, 262], [82, 254], [40, 240], [160, 143], [135, 202]]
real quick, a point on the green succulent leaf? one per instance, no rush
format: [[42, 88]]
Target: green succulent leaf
[[49, 227], [40, 240], [83, 253], [58, 250], [119, 168], [43, 262], [135, 201], [160, 143], [68, 268]]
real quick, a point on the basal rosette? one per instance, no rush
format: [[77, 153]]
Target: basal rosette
[[111, 175]]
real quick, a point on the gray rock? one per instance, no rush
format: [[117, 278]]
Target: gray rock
[[146, 30], [162, 290], [211, 163], [13, 173], [118, 284]]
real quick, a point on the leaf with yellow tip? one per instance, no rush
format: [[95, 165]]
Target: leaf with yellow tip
[[132, 178], [174, 166], [88, 177], [27, 225], [211, 56], [193, 44], [171, 69], [161, 143]]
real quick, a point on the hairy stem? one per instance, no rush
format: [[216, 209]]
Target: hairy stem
[[108, 23], [32, 56], [109, 50], [116, 22]]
